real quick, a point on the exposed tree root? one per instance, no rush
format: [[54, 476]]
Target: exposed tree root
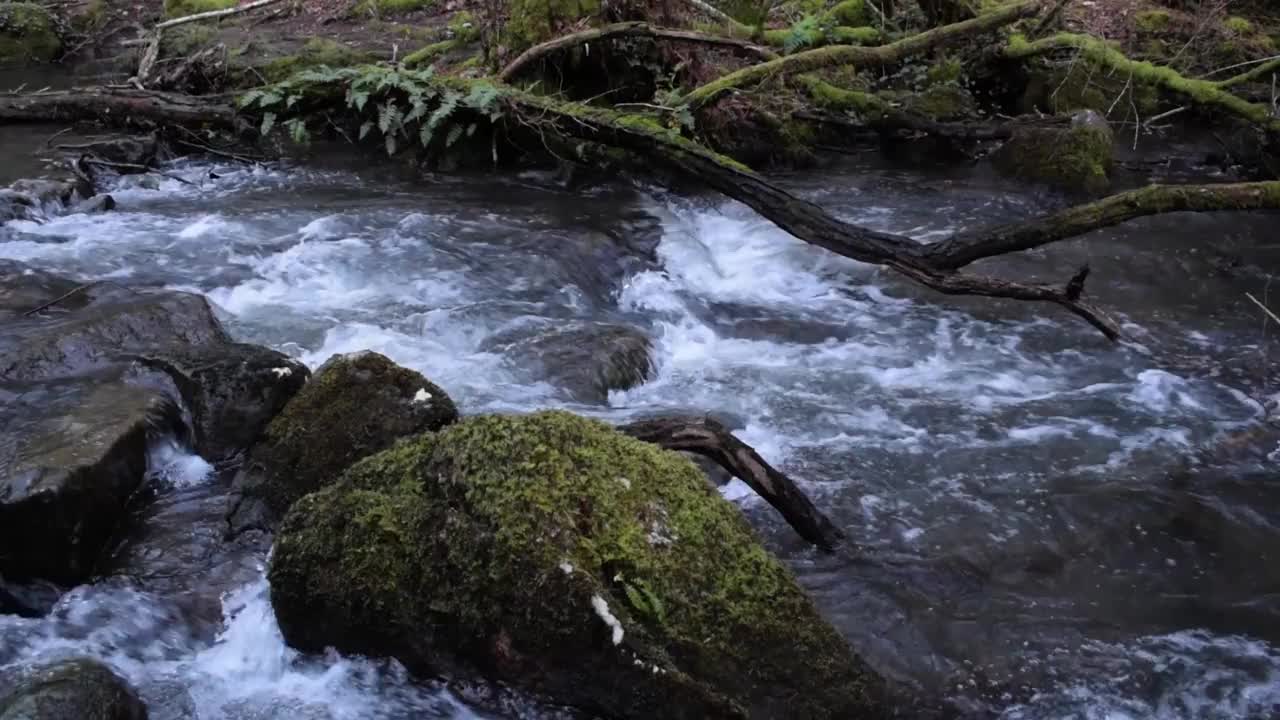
[[707, 437], [878, 56], [626, 30]]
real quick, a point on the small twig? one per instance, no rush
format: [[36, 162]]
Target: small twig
[[212, 14], [1265, 309], [56, 135], [75, 291]]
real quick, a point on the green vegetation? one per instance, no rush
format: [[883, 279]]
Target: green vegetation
[[28, 34], [1076, 159], [533, 21], [1238, 25], [318, 52], [183, 8], [1152, 21], [601, 560]]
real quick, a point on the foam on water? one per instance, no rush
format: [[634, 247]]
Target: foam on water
[[172, 464]]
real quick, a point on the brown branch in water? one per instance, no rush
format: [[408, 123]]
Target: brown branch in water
[[626, 30], [858, 56], [713, 440]]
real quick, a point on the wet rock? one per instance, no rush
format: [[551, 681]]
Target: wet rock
[[355, 406], [80, 689], [553, 553], [96, 204], [232, 390], [15, 205], [1075, 159], [587, 359], [92, 378], [28, 34], [30, 600], [73, 454]]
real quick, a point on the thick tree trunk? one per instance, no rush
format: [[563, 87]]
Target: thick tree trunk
[[713, 440], [119, 106]]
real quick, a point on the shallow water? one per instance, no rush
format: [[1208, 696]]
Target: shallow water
[[1022, 546]]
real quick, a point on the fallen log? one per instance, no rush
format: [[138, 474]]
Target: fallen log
[[121, 106], [709, 438], [619, 31]]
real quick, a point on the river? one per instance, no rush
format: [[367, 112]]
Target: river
[[1023, 541]]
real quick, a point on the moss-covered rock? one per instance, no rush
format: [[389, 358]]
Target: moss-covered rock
[[1152, 21], [70, 690], [1076, 158], [391, 7], [554, 553], [316, 52], [533, 21], [940, 102], [355, 405], [28, 34], [183, 8], [849, 13]]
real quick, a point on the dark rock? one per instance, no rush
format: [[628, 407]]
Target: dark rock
[[100, 325], [16, 206], [92, 376], [97, 204], [73, 454], [31, 599], [1075, 159], [355, 406], [231, 389], [586, 359], [550, 552], [80, 689]]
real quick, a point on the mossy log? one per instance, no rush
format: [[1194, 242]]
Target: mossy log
[[878, 56], [620, 31], [1203, 93]]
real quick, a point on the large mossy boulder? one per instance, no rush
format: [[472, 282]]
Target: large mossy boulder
[[553, 553], [1076, 158], [79, 689], [28, 34], [355, 406]]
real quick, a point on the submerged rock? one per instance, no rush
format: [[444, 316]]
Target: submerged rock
[[80, 689], [551, 552], [1076, 158], [587, 360], [355, 406], [28, 34]]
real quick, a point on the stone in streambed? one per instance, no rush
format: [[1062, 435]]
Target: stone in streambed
[[28, 34], [551, 552], [79, 689], [586, 360], [355, 405], [1075, 159]]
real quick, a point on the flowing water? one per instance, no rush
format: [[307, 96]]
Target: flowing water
[[1024, 543]]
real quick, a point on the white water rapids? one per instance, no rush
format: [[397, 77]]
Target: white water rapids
[[959, 436]]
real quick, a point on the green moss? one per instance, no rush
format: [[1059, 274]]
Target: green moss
[[186, 40], [1151, 21], [947, 70], [1238, 25], [854, 35], [183, 8], [533, 21], [354, 406], [317, 52], [28, 34], [940, 102], [390, 7], [830, 97], [505, 540], [848, 13], [91, 17], [1077, 159], [425, 55]]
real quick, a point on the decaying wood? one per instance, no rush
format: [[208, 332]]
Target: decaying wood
[[119, 106], [627, 30], [709, 438], [858, 56]]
